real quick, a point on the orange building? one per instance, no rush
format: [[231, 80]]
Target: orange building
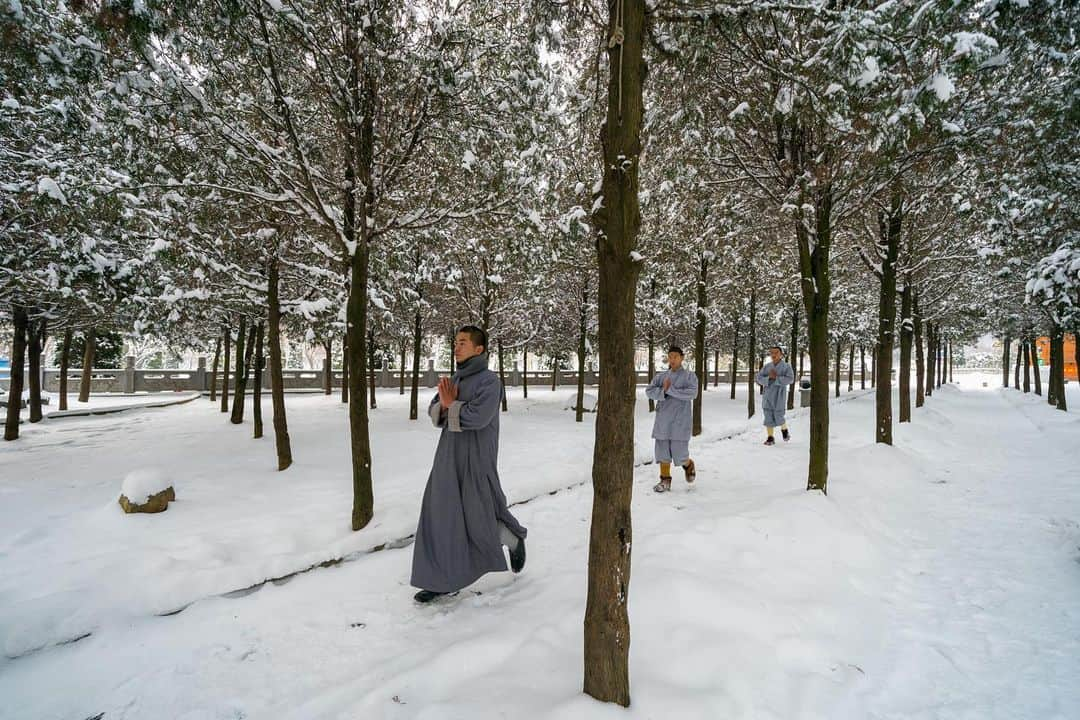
[[1043, 344]]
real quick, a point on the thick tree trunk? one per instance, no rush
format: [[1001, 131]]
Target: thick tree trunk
[[907, 329], [607, 624], [1034, 362], [65, 365], [18, 370], [88, 365], [735, 360], [237, 416], [579, 406], [256, 397], [328, 367], [1006, 357], [1027, 366], [1057, 349], [418, 336], [225, 372], [35, 341], [793, 350], [700, 353], [751, 369], [277, 383], [214, 371]]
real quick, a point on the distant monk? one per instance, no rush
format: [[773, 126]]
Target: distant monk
[[773, 378], [464, 520], [674, 392]]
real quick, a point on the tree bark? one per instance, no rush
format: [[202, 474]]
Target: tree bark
[[907, 329], [939, 376], [579, 409], [554, 372], [65, 365], [401, 370], [89, 350], [836, 367], [36, 338], [735, 360], [418, 336], [1027, 366], [371, 368], [618, 221], [502, 374], [1036, 372], [652, 366], [930, 362], [225, 372], [751, 370], [277, 385], [214, 371], [851, 367], [793, 350], [18, 370], [525, 372], [1016, 367], [716, 368], [1057, 345], [345, 369], [237, 416], [256, 397], [862, 366], [328, 367], [1005, 357], [952, 364], [919, 358], [700, 353]]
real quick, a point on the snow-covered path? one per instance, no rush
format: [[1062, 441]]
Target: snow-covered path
[[938, 579]]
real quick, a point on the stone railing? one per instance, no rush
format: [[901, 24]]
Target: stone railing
[[130, 380]]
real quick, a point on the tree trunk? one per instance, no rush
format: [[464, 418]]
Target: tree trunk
[[277, 385], [401, 370], [851, 368], [554, 372], [607, 624], [241, 388], [1034, 362], [65, 364], [213, 372], [18, 369], [256, 397], [734, 360], [920, 361], [525, 372], [237, 416], [862, 366], [700, 353], [793, 350], [345, 369], [328, 367], [453, 335], [716, 368], [371, 368], [1057, 345], [939, 376], [225, 372], [1016, 367], [952, 364], [652, 366], [1027, 366], [1006, 356], [502, 374], [907, 329], [36, 339], [751, 352], [88, 365], [579, 409], [930, 345], [418, 336]]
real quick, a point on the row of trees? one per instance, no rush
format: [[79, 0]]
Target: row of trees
[[832, 177]]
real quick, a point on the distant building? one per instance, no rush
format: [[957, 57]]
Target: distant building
[[1043, 344]]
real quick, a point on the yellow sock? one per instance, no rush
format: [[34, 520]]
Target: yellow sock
[[665, 469], [770, 431]]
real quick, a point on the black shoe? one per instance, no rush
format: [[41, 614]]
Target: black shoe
[[770, 440], [517, 556], [426, 596], [786, 434]]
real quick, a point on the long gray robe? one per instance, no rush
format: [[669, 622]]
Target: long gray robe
[[674, 408], [457, 538], [774, 399]]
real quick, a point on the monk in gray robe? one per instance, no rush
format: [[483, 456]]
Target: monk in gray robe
[[464, 520], [774, 377], [674, 391]]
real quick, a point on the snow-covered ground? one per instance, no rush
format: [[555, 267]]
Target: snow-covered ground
[[938, 579]]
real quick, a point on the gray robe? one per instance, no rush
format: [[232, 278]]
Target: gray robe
[[774, 399], [675, 408], [457, 538]]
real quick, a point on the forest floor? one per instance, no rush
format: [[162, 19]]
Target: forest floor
[[940, 577]]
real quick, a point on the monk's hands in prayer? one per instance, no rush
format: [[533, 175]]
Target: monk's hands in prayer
[[447, 392], [667, 384], [772, 374]]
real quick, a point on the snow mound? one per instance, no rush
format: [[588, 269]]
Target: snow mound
[[588, 401], [140, 485]]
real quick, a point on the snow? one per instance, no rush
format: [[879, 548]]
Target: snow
[[140, 484], [48, 186], [937, 579], [870, 72], [942, 85], [739, 110]]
